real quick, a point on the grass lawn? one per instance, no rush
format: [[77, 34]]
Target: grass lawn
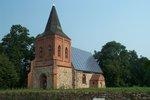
[[86, 90], [136, 93]]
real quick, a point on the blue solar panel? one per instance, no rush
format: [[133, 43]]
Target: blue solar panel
[[84, 61]]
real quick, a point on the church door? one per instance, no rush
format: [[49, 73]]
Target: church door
[[43, 81]]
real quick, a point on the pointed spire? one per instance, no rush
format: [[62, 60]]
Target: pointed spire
[[53, 25]]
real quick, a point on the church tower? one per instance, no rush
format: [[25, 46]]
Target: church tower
[[51, 67]]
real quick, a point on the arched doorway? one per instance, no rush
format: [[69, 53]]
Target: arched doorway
[[43, 81]]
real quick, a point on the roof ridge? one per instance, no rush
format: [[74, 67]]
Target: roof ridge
[[82, 50]]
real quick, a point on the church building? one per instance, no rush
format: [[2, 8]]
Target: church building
[[59, 65]]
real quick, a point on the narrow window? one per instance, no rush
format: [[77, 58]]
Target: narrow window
[[93, 83], [40, 52], [59, 51], [49, 49], [66, 52], [84, 79]]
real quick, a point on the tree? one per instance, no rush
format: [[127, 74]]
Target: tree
[[122, 67], [147, 74], [1, 49], [133, 68], [144, 73], [110, 60], [114, 61], [18, 47], [8, 75]]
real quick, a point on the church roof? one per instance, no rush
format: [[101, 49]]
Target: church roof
[[53, 25], [84, 61]]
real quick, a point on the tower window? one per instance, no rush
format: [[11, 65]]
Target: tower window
[[49, 49], [59, 51], [40, 51], [84, 79], [66, 52]]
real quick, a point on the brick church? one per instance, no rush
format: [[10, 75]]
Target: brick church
[[59, 65]]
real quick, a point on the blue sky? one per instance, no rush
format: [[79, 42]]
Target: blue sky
[[89, 23]]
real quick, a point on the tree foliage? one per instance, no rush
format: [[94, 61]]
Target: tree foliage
[[143, 71], [18, 47], [122, 67], [8, 75], [1, 48]]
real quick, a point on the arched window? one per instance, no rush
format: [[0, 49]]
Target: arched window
[[49, 49], [66, 52], [84, 79], [40, 51], [59, 51]]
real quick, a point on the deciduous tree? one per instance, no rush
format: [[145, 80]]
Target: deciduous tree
[[8, 74], [18, 47]]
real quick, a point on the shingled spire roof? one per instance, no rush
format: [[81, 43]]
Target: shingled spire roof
[[53, 25]]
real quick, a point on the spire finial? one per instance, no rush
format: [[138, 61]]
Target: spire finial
[[53, 1]]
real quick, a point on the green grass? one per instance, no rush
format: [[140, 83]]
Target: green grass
[[68, 94], [86, 90]]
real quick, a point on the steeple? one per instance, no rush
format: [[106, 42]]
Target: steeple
[[53, 25]]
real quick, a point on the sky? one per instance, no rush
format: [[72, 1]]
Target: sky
[[89, 23]]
